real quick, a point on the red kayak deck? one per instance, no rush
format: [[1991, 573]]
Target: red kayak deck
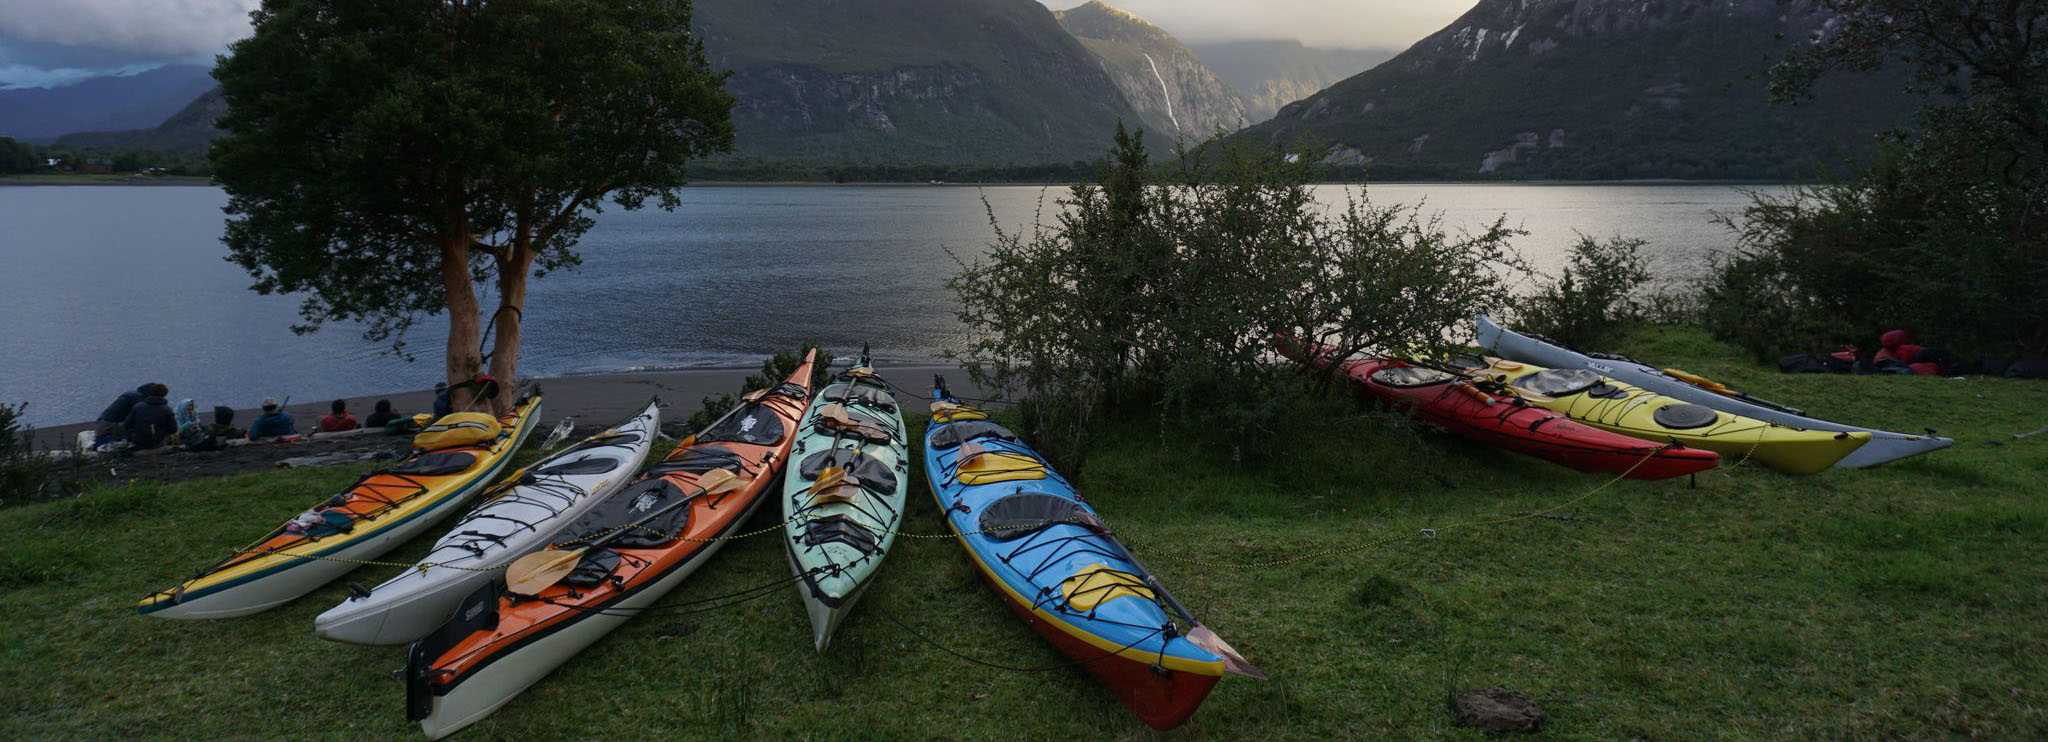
[[1505, 421]]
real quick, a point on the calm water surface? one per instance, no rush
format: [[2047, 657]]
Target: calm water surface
[[105, 287]]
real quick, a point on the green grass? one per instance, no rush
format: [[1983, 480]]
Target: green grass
[[1899, 603]]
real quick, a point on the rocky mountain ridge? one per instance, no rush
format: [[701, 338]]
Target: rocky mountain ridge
[[1594, 89], [1164, 80]]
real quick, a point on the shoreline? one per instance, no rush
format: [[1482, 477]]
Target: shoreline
[[593, 399]]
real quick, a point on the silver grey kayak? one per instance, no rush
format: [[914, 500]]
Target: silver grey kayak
[[1884, 446]]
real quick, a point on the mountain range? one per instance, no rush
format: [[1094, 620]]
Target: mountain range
[[134, 101], [1595, 89], [1517, 89]]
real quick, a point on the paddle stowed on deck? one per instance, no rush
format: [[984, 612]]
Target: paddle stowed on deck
[[604, 568], [843, 501], [1061, 568]]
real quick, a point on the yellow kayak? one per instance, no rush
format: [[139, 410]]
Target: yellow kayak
[[380, 511], [1604, 403]]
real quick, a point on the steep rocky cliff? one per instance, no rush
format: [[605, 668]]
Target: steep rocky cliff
[[909, 81], [1163, 79], [1595, 89], [1271, 74]]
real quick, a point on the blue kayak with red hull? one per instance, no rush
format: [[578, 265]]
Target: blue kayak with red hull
[[1058, 566]]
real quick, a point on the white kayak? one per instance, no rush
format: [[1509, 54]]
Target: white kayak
[[529, 508], [1884, 446]]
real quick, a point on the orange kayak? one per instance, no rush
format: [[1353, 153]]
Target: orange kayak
[[646, 539]]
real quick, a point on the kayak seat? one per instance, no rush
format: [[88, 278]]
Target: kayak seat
[[860, 394], [593, 568], [1409, 377], [757, 425], [841, 529], [1559, 382], [870, 471], [1096, 584], [585, 465], [1016, 516], [989, 467], [698, 460], [966, 430], [435, 464], [628, 507], [1684, 416]]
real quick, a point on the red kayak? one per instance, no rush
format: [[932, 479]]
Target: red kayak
[[1457, 405]]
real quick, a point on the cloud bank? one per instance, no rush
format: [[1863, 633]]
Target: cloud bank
[[170, 30]]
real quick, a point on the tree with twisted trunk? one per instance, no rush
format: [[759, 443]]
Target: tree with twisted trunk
[[390, 159]]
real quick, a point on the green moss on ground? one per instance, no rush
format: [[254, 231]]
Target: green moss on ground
[[1901, 602]]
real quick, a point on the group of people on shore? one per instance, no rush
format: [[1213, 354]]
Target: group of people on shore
[[143, 418]]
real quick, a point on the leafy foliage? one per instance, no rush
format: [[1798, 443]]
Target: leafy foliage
[[1170, 291], [1943, 232], [381, 158], [1595, 293], [773, 371]]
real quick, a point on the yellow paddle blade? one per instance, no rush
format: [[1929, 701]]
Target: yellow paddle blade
[[860, 372], [754, 395], [830, 477], [530, 574], [837, 493], [836, 414], [1698, 381], [720, 481]]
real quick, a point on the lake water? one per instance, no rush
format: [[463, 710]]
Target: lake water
[[105, 287]]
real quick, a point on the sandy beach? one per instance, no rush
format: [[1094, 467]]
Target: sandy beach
[[593, 400]]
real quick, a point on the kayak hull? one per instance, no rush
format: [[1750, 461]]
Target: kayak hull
[[1126, 641], [485, 690], [241, 587], [643, 541], [1504, 421], [1631, 411], [415, 601], [831, 571], [1884, 446]]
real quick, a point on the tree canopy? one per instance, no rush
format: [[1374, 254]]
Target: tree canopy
[[383, 158]]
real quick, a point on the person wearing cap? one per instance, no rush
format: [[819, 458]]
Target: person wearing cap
[[273, 422], [443, 405]]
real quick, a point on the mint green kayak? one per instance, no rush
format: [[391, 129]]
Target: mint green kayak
[[843, 495]]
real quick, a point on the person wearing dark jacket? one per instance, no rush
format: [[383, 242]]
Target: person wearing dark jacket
[[116, 414], [151, 421], [382, 416], [443, 404]]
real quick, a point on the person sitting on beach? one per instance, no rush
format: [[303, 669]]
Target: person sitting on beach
[[273, 423], [443, 405], [382, 416], [338, 420], [111, 420], [150, 422], [223, 422]]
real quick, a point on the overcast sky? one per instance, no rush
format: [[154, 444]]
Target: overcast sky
[[45, 42], [1346, 24]]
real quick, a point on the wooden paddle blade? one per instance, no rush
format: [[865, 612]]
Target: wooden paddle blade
[[829, 477], [839, 493], [530, 574], [836, 414], [719, 480], [1233, 662]]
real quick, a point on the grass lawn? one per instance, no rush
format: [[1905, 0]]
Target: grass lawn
[[1903, 602]]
